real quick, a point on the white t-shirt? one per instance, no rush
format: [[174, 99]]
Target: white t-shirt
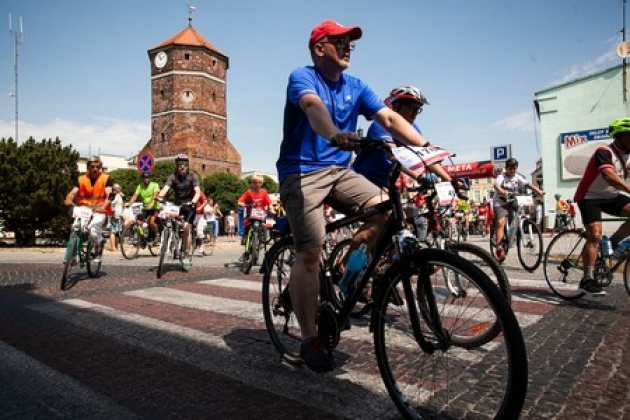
[[513, 184]]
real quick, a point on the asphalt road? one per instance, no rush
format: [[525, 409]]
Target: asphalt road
[[194, 345]]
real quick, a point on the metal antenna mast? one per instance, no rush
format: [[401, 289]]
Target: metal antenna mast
[[17, 36]]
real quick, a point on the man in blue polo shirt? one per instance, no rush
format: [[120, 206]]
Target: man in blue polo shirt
[[320, 120]]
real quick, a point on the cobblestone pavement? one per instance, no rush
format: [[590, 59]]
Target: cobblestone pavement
[[194, 345]]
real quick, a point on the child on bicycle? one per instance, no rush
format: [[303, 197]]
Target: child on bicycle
[[254, 199]]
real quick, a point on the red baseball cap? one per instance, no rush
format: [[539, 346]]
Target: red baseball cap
[[332, 28]]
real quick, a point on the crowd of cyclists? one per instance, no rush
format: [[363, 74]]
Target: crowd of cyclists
[[319, 175]]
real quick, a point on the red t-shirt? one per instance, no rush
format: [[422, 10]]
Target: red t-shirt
[[251, 199], [200, 203]]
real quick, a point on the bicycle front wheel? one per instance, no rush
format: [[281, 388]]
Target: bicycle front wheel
[[529, 246], [69, 260], [563, 265], [248, 257], [93, 268], [130, 242], [450, 382], [280, 319]]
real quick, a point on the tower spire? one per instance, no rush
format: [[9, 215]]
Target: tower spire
[[191, 9]]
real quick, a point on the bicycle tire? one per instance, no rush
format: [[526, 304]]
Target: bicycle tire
[[248, 262], [128, 236], [484, 259], [93, 268], [529, 246], [562, 264], [441, 383], [256, 243], [69, 260], [280, 320], [166, 238], [626, 277]]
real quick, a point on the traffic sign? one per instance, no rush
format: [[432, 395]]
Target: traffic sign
[[501, 153], [145, 162]]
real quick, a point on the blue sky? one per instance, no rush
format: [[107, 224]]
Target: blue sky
[[84, 73]]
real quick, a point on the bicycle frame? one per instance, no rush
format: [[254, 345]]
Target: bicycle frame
[[405, 244]]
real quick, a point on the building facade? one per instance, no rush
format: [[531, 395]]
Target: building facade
[[188, 104], [574, 119]]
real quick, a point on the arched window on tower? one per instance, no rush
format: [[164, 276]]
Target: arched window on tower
[[162, 93], [163, 137], [214, 96]]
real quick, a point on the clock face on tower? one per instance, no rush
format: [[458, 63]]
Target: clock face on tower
[[160, 59]]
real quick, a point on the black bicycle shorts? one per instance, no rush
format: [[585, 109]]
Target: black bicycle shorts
[[591, 209]]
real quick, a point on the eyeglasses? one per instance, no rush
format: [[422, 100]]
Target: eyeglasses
[[415, 109], [95, 166], [341, 44], [182, 163]]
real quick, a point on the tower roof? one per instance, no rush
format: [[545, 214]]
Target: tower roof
[[188, 37]]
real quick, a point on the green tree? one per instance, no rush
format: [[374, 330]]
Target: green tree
[[224, 188], [127, 178], [36, 178]]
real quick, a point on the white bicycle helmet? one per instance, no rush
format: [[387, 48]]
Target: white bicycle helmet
[[406, 92]]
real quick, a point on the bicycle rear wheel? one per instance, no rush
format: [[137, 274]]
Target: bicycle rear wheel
[[450, 382], [69, 260], [164, 248], [93, 268], [563, 266], [529, 246], [130, 242], [280, 320]]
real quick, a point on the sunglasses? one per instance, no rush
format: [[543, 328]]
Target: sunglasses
[[341, 44]]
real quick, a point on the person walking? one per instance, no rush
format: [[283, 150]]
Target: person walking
[[116, 219]]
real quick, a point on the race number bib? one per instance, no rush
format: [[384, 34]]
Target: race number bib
[[82, 212], [258, 214], [417, 158], [445, 193], [169, 210], [524, 200]]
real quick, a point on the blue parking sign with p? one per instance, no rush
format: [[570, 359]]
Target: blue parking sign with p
[[501, 153]]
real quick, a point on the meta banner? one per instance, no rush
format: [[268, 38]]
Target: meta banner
[[473, 170]]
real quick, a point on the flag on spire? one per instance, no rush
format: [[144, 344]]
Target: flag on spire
[[191, 8]]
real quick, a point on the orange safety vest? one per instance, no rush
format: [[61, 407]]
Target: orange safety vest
[[93, 194]]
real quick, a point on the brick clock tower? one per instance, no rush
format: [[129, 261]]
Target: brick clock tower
[[188, 104]]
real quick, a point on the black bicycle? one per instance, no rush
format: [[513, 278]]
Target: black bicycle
[[419, 334], [172, 236]]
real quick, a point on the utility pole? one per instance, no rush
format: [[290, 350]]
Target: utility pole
[[623, 40], [17, 36]]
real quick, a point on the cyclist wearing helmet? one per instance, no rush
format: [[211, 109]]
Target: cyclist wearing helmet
[[375, 165], [508, 182], [148, 192], [94, 189], [600, 190], [186, 187], [323, 104]]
